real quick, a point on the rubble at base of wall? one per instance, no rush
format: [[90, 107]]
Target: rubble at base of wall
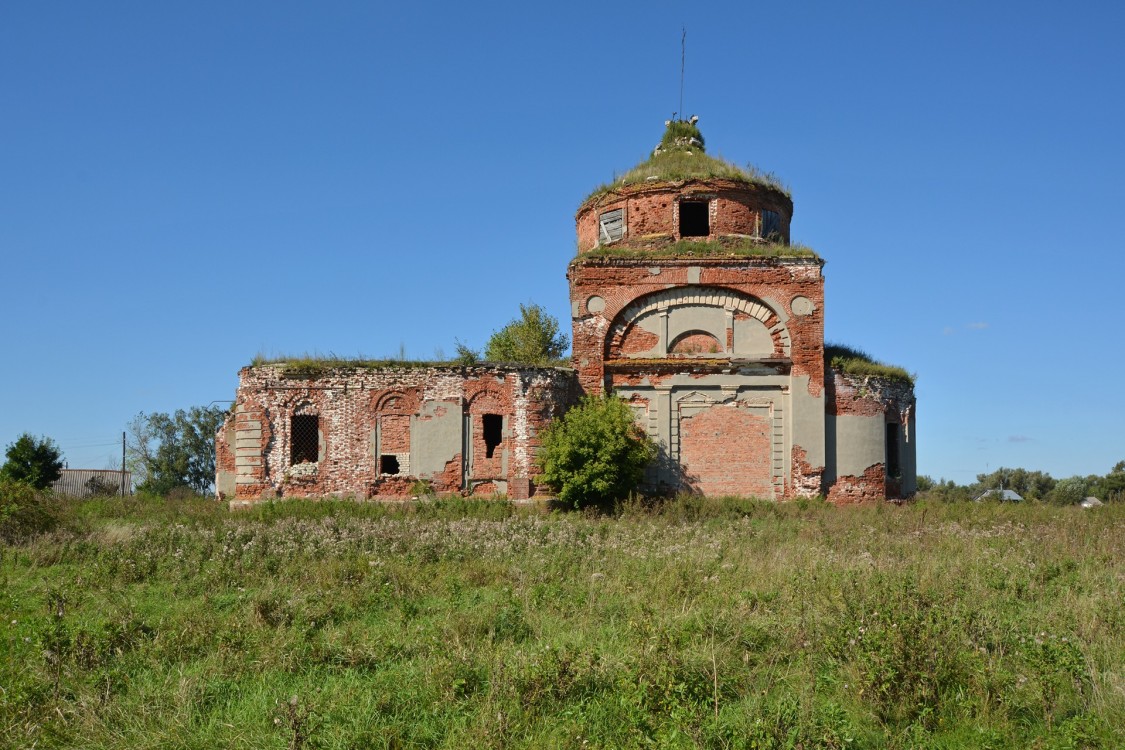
[[870, 487]]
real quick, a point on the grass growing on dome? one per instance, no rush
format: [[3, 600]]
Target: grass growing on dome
[[858, 363], [676, 166], [681, 156]]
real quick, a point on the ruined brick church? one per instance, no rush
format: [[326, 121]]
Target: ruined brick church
[[688, 301]]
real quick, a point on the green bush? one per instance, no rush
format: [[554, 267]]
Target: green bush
[[595, 453], [22, 511]]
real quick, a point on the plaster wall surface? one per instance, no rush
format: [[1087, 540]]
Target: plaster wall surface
[[859, 412]]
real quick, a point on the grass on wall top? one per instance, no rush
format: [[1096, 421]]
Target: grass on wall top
[[315, 365], [856, 362]]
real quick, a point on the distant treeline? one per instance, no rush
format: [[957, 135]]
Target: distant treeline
[[1031, 485]]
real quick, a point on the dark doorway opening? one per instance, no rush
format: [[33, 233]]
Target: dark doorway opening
[[893, 467]]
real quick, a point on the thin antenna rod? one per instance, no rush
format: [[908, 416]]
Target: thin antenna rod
[[683, 45]]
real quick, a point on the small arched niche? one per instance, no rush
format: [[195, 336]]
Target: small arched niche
[[696, 343]]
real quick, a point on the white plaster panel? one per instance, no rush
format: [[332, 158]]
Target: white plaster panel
[[860, 443], [684, 318], [752, 339]]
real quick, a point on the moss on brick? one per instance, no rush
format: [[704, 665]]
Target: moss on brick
[[717, 248]]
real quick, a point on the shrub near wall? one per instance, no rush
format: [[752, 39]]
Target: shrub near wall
[[594, 454]]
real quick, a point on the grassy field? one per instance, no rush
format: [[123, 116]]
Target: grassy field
[[701, 623]]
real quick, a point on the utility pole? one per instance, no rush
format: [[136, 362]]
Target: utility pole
[[122, 463]]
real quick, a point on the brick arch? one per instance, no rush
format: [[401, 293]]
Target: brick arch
[[622, 326], [396, 402], [486, 400], [304, 407]]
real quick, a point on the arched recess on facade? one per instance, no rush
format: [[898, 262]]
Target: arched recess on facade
[[487, 413], [698, 321], [392, 439], [396, 402]]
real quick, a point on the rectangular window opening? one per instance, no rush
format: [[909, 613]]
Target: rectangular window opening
[[695, 219], [388, 464], [893, 468], [611, 226], [304, 433], [771, 226], [493, 427]]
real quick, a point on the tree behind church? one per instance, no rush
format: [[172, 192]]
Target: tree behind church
[[170, 451], [33, 461], [532, 339]]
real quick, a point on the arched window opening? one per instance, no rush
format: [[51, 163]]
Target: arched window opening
[[304, 434]]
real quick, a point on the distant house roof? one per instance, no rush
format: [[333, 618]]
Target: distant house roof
[[1004, 496], [1091, 502], [91, 482]]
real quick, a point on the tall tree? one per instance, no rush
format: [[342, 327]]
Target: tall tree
[[1112, 485], [533, 338], [36, 461], [166, 451]]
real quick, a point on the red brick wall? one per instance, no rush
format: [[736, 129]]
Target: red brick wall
[[652, 209], [349, 402], [726, 450], [394, 433], [872, 485], [619, 282], [486, 401], [636, 341]]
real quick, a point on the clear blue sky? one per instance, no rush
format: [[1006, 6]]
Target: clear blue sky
[[185, 185]]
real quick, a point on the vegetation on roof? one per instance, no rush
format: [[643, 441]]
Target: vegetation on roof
[[718, 248], [309, 366], [681, 156], [682, 133], [859, 363]]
